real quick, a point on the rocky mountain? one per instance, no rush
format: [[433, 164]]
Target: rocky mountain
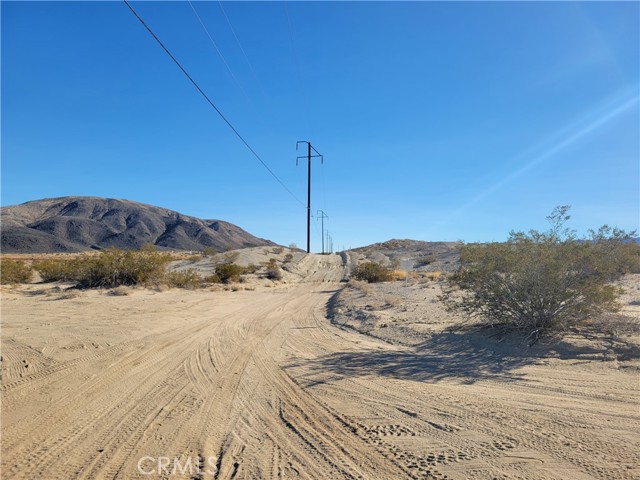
[[75, 224]]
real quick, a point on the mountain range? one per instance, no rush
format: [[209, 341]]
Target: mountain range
[[76, 224]]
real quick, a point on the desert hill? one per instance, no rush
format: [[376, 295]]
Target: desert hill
[[75, 224], [416, 254]]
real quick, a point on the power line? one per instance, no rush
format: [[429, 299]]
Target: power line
[[215, 45], [211, 103], [244, 53]]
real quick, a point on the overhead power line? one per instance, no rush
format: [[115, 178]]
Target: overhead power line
[[212, 104], [215, 45]]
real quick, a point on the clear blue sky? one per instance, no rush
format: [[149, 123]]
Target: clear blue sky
[[438, 121]]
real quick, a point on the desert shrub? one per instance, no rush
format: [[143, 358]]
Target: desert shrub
[[110, 268], [230, 257], [424, 260], [278, 250], [184, 279], [274, 273], [228, 272], [14, 271], [288, 258], [433, 276], [114, 267], [539, 282], [210, 251], [251, 268], [371, 272], [54, 270]]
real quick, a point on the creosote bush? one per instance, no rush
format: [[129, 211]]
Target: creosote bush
[[227, 273], [372, 272], [274, 273], [14, 271], [188, 279], [542, 282], [114, 267]]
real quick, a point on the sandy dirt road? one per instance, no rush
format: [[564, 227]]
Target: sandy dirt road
[[259, 384]]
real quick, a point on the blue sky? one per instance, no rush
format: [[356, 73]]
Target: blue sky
[[438, 121]]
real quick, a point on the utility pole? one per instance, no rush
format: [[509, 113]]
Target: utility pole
[[323, 216], [308, 157]]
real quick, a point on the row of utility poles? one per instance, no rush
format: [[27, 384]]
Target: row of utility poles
[[321, 213]]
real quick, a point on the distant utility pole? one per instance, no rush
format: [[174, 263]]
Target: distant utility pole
[[308, 157], [323, 216]]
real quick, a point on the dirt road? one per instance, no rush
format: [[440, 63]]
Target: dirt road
[[258, 384]]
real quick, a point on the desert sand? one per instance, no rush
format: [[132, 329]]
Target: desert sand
[[293, 380]]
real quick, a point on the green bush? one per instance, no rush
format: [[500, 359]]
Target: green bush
[[372, 272], [251, 268], [14, 271], [184, 279], [228, 272], [210, 251], [113, 267], [109, 268], [54, 270], [540, 282]]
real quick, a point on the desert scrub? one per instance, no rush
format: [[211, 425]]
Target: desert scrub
[[227, 273], [188, 279], [14, 272], [372, 272], [110, 268], [541, 282], [54, 270], [274, 273]]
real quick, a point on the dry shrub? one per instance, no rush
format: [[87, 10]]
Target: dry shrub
[[288, 258], [69, 294], [188, 279], [434, 276], [14, 271], [230, 257], [278, 250], [399, 275], [372, 272], [393, 300], [120, 291], [364, 287], [274, 273]]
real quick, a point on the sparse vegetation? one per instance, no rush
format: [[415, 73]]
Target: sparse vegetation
[[278, 250], [209, 251], [227, 273], [113, 267], [274, 273], [54, 270], [372, 272], [425, 260], [288, 258], [541, 282], [184, 279], [14, 272]]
